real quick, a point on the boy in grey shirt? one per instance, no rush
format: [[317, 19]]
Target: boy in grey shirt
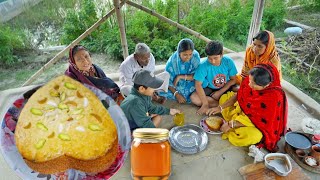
[[137, 106]]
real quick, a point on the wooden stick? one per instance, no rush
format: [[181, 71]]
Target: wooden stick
[[255, 20], [297, 59], [173, 23], [303, 26], [123, 37], [57, 57]]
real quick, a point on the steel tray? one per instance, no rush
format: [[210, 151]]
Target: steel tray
[[188, 139]]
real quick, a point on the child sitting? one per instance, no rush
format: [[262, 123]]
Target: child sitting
[[137, 106]]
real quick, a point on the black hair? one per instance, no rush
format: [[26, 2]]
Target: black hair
[[262, 36], [137, 86], [260, 76], [77, 48], [214, 48], [185, 44]]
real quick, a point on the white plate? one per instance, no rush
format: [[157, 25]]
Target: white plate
[[204, 126], [15, 161]]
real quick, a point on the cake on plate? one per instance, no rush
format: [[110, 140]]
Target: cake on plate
[[64, 125]]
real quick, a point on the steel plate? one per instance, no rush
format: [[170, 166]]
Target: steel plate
[[188, 139]]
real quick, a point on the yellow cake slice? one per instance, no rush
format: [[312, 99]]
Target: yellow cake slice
[[64, 125]]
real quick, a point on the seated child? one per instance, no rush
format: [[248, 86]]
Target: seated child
[[137, 106], [213, 77]]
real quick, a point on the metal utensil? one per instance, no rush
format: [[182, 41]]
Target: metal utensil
[[196, 141], [188, 139]]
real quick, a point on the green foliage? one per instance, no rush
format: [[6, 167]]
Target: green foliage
[[13, 36], [77, 22], [162, 49], [274, 13], [238, 20], [44, 11], [110, 44], [307, 82], [11, 41], [205, 21], [227, 20], [311, 4]]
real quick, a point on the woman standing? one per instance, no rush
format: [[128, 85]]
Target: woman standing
[[181, 67]]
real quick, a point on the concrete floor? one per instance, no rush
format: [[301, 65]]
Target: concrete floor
[[220, 160]]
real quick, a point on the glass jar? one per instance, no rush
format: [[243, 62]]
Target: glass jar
[[150, 154]]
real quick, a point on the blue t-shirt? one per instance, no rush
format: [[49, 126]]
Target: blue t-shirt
[[215, 77]]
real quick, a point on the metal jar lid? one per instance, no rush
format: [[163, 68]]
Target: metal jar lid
[[151, 133]]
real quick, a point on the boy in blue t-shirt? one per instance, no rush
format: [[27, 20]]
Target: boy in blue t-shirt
[[213, 77]]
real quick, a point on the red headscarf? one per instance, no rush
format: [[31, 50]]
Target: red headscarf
[[267, 108]]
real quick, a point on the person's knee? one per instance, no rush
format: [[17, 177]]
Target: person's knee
[[166, 75], [156, 119], [212, 103], [125, 90], [195, 99]]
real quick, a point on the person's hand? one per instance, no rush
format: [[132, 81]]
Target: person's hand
[[213, 111], [176, 80], [174, 111], [202, 110], [225, 127], [180, 98]]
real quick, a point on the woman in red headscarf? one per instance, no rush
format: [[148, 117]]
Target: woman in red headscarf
[[263, 50], [82, 69], [258, 112]]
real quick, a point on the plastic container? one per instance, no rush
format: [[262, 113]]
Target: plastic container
[[316, 139], [150, 154], [293, 31], [279, 163]]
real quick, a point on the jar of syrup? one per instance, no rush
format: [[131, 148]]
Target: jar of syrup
[[150, 154]]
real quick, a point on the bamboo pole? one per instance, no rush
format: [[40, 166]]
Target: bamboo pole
[[185, 29], [255, 20], [123, 37], [57, 57]]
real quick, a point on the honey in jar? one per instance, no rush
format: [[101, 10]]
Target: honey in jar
[[179, 119], [150, 154]]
